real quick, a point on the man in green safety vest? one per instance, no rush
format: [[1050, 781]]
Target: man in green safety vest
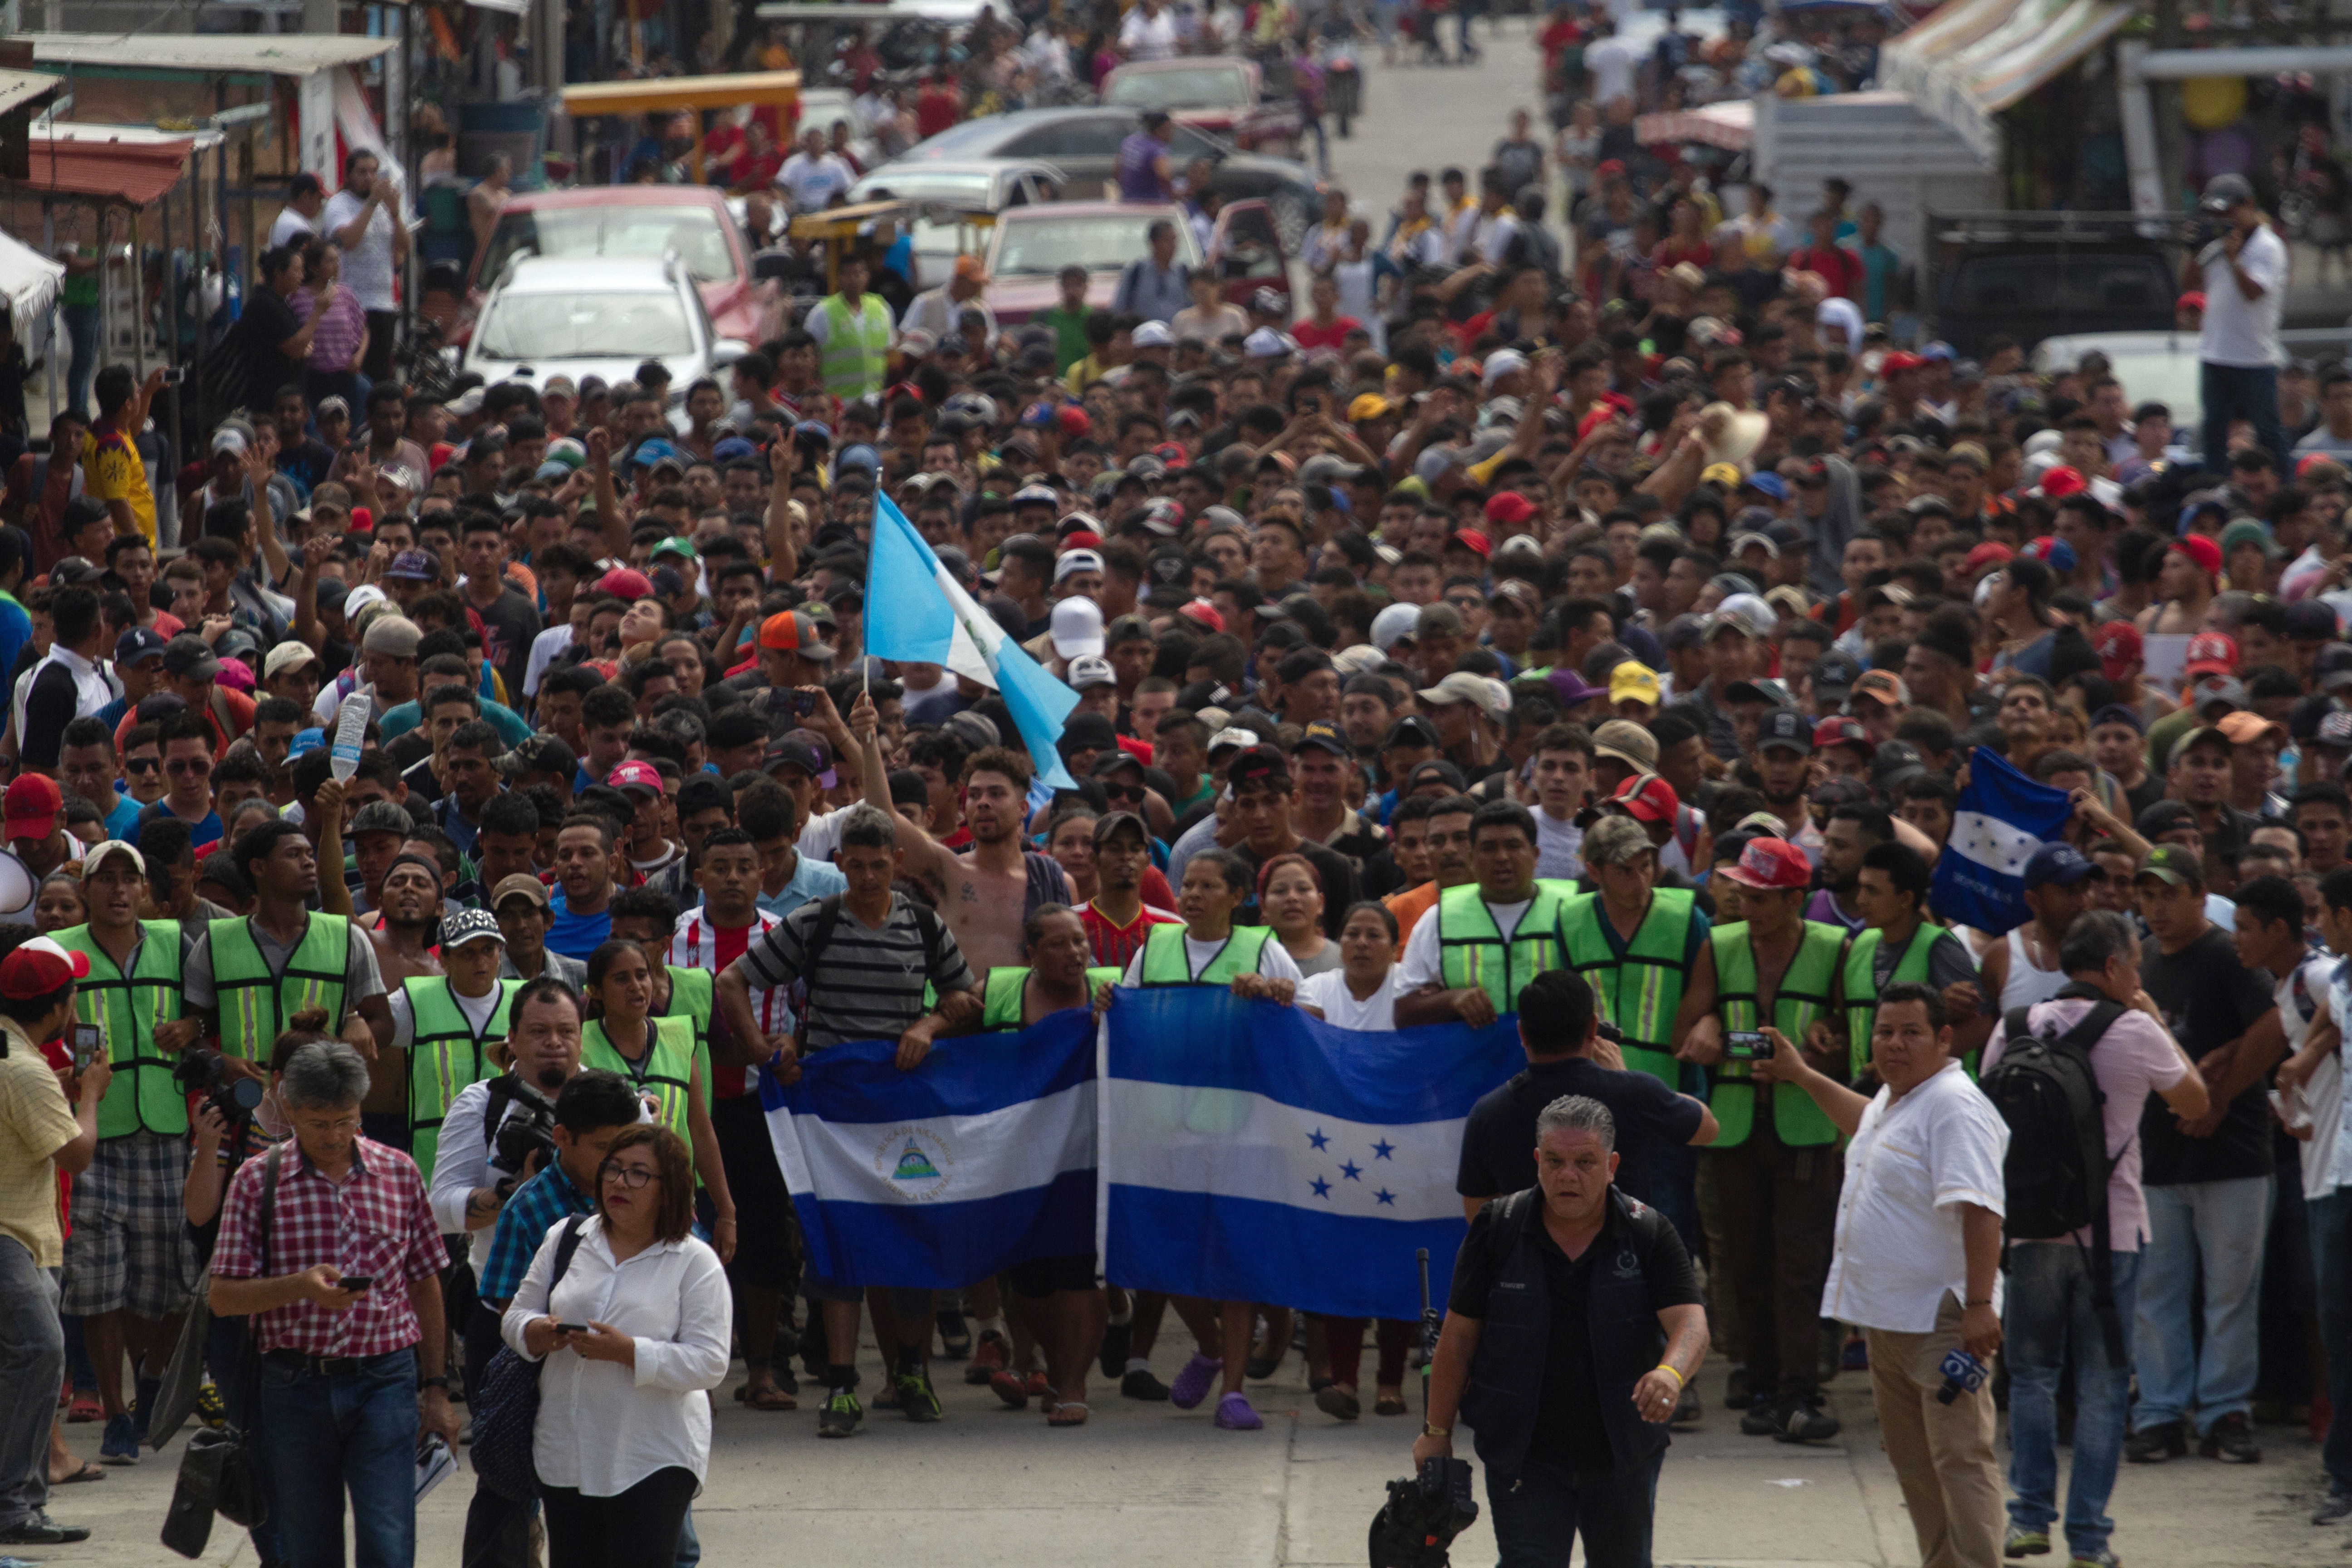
[[1769, 1183], [130, 1261], [1897, 944], [1634, 941], [1468, 959], [853, 330], [447, 1022]]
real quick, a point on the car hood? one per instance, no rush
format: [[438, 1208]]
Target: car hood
[[683, 368], [1017, 300]]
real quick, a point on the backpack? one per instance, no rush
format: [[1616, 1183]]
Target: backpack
[[828, 920], [2055, 1173], [505, 1408]]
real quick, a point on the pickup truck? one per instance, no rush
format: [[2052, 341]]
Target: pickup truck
[[1222, 94]]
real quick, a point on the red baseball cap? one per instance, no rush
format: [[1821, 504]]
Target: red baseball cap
[[625, 582], [1509, 509], [29, 810], [1074, 421], [1991, 553], [1646, 797], [636, 776], [2119, 648], [791, 631], [2210, 653], [2061, 482], [39, 967], [2205, 551], [1898, 362], [1201, 613], [1470, 539], [1771, 863], [1838, 731]]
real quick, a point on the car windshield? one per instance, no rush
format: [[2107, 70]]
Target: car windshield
[[1099, 242], [1193, 87], [898, 183], [618, 230], [639, 325], [972, 138]]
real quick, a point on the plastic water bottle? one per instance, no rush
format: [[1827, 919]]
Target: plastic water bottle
[[351, 729]]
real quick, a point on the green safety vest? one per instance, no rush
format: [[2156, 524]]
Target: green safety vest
[[1862, 988], [126, 1008], [1000, 997], [1803, 997], [665, 1069], [254, 1003], [1638, 992], [1164, 962], [857, 348], [691, 998], [1471, 951], [445, 1057]]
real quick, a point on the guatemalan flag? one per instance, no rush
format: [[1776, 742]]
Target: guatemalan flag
[[1253, 1153], [917, 612], [981, 1158], [2001, 819]]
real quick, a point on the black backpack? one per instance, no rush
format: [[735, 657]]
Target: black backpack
[[2055, 1175]]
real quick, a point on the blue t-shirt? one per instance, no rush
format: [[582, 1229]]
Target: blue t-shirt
[[812, 880], [200, 834], [576, 936], [120, 820]]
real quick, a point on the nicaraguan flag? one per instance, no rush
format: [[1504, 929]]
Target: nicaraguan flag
[[2002, 817], [1253, 1153], [915, 611], [981, 1158]]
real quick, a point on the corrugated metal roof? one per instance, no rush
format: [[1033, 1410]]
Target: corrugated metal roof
[[18, 89], [273, 54], [136, 168]]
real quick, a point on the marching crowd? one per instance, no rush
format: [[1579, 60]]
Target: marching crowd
[[1603, 643]]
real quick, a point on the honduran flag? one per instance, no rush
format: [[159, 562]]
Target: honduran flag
[[2002, 817], [915, 611]]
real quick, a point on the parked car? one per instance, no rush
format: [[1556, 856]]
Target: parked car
[[581, 316], [982, 184], [2030, 276], [633, 221], [1031, 246], [1221, 94], [1083, 142], [2154, 366]]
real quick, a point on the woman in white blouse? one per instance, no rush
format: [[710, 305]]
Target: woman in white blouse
[[641, 1319]]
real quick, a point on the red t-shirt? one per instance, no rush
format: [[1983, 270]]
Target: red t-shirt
[[1311, 337], [1116, 944], [1841, 268]]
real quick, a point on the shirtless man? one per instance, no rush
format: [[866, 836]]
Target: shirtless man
[[2185, 586], [405, 917]]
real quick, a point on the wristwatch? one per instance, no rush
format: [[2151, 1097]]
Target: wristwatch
[[438, 1381], [1428, 1431]]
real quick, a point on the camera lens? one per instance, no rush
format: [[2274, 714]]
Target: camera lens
[[245, 1093]]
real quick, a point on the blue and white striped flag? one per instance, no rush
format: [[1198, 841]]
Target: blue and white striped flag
[[1253, 1153], [981, 1158], [2001, 819]]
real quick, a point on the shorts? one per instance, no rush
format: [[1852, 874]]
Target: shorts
[[905, 1300], [1041, 1276], [131, 1250], [767, 1233]]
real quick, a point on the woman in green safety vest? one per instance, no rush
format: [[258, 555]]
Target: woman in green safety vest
[[655, 1055], [1058, 975], [649, 918], [448, 1023]]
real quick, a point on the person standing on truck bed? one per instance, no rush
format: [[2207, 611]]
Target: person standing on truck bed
[[2243, 276]]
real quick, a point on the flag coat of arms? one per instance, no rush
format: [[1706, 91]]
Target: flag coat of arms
[[2001, 819]]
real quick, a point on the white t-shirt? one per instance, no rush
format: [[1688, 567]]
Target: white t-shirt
[[2322, 1094], [545, 648], [1274, 960], [2239, 330], [810, 183], [477, 1009], [1328, 991], [367, 271], [1559, 848], [1419, 965], [1611, 63], [1149, 38], [289, 227]]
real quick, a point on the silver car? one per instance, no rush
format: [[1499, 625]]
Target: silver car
[[599, 316], [984, 184]]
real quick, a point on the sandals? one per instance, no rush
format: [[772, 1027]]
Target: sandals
[[1389, 1403], [88, 1472], [1058, 1416], [1337, 1400], [85, 1407], [767, 1398]]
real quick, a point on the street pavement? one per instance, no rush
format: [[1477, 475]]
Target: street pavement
[[1147, 1486], [1428, 117]]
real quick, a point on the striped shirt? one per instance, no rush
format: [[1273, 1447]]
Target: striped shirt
[[696, 943], [338, 337], [867, 984]]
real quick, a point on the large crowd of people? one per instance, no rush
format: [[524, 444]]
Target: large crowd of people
[[415, 877]]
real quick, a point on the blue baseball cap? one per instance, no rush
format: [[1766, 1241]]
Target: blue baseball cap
[[860, 457], [1770, 483], [138, 643], [655, 449], [306, 741], [732, 449], [2060, 863]]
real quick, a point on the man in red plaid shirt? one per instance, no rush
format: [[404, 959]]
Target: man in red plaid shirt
[[341, 1278]]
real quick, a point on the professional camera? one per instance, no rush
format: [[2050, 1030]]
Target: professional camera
[[1424, 1514], [523, 1135], [204, 1073]]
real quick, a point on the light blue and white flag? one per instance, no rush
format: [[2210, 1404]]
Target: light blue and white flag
[[915, 611], [981, 1158], [1253, 1153], [2002, 817]]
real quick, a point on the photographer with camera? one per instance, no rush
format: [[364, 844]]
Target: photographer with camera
[[591, 1111], [129, 1263], [1918, 1262], [1574, 1325], [2242, 271], [499, 1132]]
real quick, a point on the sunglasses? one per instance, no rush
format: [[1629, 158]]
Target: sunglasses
[[141, 765], [182, 766]]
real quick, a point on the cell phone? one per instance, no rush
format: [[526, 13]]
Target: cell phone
[[1746, 1045], [89, 1045], [799, 703], [571, 1328], [355, 1281], [174, 374]]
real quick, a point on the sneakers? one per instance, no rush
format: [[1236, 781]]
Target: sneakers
[[1806, 1422], [1235, 1414], [1762, 1417], [121, 1443], [1012, 1388], [955, 1334], [1737, 1395], [841, 1415], [2102, 1558], [2231, 1441], [1140, 1384], [917, 1401], [2023, 1543], [209, 1408], [2154, 1445], [39, 1530], [2333, 1509], [1192, 1384], [989, 1357]]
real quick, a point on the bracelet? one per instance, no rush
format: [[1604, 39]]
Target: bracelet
[[1668, 1368], [1428, 1431], [435, 1382], [1986, 1302]]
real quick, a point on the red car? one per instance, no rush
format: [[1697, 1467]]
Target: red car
[[1032, 245], [633, 220], [1221, 94]]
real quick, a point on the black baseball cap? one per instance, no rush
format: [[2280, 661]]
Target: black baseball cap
[[1785, 728]]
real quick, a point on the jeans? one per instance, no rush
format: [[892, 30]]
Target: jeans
[[1539, 1517], [328, 1435], [2331, 1265], [2248, 391], [81, 330], [2049, 1315], [32, 1367], [2219, 1226], [229, 1347]]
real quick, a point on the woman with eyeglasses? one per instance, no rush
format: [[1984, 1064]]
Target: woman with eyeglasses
[[632, 1339]]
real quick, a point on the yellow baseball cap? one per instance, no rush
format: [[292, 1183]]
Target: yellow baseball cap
[[1633, 682], [1728, 475], [1367, 405]]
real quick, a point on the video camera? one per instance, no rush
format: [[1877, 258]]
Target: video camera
[[204, 1073], [522, 1135], [1424, 1514]]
